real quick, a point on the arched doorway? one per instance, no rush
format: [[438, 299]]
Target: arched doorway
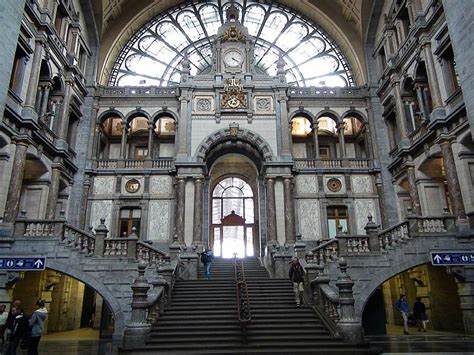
[[232, 229]]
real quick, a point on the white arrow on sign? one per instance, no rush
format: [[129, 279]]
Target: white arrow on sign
[[437, 258], [38, 263]]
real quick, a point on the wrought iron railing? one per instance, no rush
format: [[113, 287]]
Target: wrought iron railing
[[243, 303]]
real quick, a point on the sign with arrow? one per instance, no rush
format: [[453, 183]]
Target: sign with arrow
[[452, 258], [25, 264]]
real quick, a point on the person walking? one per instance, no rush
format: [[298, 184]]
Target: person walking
[[419, 313], [20, 332], [12, 313], [3, 321], [206, 259], [296, 275], [36, 323], [404, 309]]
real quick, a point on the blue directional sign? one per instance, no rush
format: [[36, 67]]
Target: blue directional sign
[[452, 258], [38, 264]]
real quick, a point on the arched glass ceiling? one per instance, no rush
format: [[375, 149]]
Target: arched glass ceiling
[[153, 55]]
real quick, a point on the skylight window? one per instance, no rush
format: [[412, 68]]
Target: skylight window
[[153, 55]]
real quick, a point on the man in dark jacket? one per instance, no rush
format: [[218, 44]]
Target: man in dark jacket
[[206, 259], [20, 331], [296, 275]]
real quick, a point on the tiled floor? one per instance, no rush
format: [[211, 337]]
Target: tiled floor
[[85, 342]]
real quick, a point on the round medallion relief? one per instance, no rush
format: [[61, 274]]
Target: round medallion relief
[[334, 185], [132, 186]]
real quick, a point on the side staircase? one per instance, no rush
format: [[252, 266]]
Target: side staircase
[[202, 318]]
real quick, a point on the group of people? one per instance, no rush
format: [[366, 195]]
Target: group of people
[[418, 315], [16, 329]]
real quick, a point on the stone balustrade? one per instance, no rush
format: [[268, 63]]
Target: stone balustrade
[[333, 163], [112, 164], [92, 245]]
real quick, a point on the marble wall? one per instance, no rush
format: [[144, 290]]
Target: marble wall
[[361, 184], [161, 185], [101, 209], [362, 208], [158, 220], [309, 219], [306, 184], [104, 185]]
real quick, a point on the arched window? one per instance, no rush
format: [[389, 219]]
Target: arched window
[[153, 55], [233, 218]]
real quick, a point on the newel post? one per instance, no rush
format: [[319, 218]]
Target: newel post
[[372, 231], [350, 326], [132, 240], [100, 235], [138, 329]]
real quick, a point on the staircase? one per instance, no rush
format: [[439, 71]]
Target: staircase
[[202, 318]]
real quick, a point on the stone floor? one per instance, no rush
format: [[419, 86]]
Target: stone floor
[[85, 342]]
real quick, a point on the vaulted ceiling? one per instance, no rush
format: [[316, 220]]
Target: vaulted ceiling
[[344, 20]]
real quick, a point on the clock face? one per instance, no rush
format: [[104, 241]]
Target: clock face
[[132, 186], [233, 58]]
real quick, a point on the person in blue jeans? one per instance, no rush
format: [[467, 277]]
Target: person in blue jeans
[[404, 309], [206, 259]]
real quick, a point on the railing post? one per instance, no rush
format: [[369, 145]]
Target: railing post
[[136, 332], [342, 241], [191, 261], [412, 222], [300, 247], [100, 235], [372, 231], [349, 325], [312, 272], [166, 271], [20, 225], [132, 240], [175, 248], [282, 258]]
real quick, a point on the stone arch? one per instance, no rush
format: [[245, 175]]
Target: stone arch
[[99, 287], [157, 115], [329, 113], [384, 274], [136, 113], [304, 113], [355, 113], [106, 114], [253, 140]]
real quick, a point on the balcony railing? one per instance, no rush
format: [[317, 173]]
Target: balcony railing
[[333, 163], [112, 164]]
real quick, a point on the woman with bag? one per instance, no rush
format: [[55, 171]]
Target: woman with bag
[[37, 327]]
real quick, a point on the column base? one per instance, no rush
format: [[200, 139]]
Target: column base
[[438, 113], [135, 335], [29, 114], [353, 332]]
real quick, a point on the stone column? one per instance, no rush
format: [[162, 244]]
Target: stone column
[[53, 191], [84, 202], [421, 100], [64, 113], [400, 116], [380, 194], [198, 200], [182, 127], [290, 234], [150, 139], [271, 212], [16, 180], [34, 76], [123, 143], [452, 179], [285, 129], [180, 202], [413, 190], [460, 19], [431, 72], [466, 298], [342, 143], [411, 12], [44, 100], [316, 139]]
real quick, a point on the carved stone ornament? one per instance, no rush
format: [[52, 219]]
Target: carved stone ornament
[[264, 104], [334, 185], [132, 186], [233, 34], [203, 105], [234, 96]]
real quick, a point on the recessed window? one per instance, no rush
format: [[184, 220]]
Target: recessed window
[[129, 218], [337, 217]]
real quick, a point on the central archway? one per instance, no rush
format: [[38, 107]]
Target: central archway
[[232, 227]]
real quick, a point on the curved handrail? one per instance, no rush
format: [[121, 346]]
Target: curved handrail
[[323, 245], [243, 305]]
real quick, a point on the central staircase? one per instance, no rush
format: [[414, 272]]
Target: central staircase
[[202, 318]]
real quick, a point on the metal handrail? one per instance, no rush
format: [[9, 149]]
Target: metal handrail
[[243, 305]]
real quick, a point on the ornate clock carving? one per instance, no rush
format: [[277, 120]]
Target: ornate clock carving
[[234, 96], [233, 34], [132, 186]]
